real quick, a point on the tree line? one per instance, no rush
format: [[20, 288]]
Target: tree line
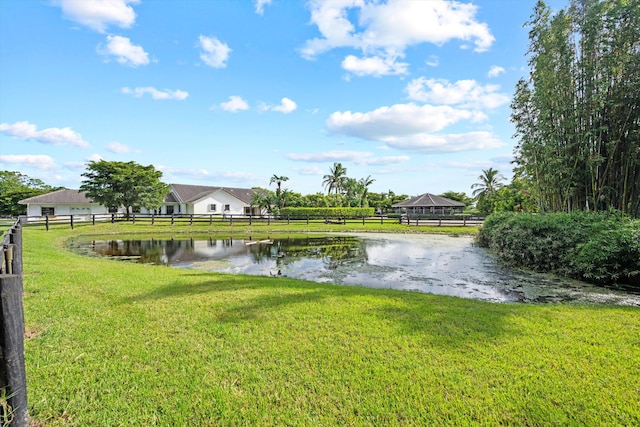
[[577, 115]]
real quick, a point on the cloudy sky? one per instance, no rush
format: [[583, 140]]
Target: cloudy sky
[[413, 93]]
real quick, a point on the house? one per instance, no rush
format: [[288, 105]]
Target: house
[[182, 199], [429, 204]]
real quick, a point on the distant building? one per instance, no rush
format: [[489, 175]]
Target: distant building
[[429, 204], [182, 199]]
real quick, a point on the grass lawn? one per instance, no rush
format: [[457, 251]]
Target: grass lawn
[[111, 343]]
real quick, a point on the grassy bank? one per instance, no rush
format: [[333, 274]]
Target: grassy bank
[[112, 343]]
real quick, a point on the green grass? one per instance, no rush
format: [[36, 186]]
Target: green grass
[[114, 343]]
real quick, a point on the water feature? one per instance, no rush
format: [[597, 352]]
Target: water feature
[[437, 264]]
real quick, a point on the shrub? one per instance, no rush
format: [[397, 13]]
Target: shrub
[[601, 248], [323, 212]]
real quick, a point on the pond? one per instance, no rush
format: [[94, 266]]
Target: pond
[[437, 264]]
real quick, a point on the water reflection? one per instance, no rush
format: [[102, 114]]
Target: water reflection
[[426, 263]]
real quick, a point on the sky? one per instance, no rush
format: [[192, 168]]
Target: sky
[[414, 94]]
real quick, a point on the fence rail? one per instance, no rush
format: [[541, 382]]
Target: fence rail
[[13, 378], [194, 219]]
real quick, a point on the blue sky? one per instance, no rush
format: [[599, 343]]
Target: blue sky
[[414, 94]]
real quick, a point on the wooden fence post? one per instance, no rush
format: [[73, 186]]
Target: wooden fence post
[[172, 219], [93, 219], [46, 222], [71, 216], [191, 220], [13, 378]]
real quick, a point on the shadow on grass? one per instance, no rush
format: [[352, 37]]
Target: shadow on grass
[[442, 320]]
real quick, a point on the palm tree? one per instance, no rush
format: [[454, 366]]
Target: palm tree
[[262, 200], [336, 178], [278, 180], [490, 181], [364, 186]]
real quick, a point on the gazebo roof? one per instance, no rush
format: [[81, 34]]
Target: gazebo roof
[[429, 200]]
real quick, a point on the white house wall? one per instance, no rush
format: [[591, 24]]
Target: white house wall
[[78, 209], [220, 199]]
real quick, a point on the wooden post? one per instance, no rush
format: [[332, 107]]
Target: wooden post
[[93, 219], [172, 219], [113, 218], [381, 219], [464, 221], [191, 219], [250, 218], [133, 218], [71, 222], [13, 378], [362, 219], [288, 220], [46, 222]]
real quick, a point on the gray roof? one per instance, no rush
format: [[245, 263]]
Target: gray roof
[[192, 193], [428, 200], [58, 197], [184, 193]]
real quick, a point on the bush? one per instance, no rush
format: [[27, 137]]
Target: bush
[[326, 212], [601, 248]]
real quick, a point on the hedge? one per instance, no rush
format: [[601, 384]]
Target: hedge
[[600, 248], [326, 212]]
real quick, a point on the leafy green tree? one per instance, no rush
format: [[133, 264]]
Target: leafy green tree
[[458, 197], [15, 186], [577, 115], [126, 184], [317, 200], [336, 179]]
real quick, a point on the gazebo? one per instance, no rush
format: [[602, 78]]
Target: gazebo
[[429, 204]]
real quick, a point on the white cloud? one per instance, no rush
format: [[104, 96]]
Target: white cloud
[[260, 4], [432, 61], [119, 148], [99, 14], [235, 103], [124, 51], [155, 93], [357, 157], [463, 93], [386, 29], [310, 170], [375, 66], [214, 53], [37, 161], [495, 71], [286, 106], [55, 136], [447, 143], [399, 119]]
